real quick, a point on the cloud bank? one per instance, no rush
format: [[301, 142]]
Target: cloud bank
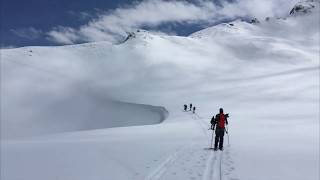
[[113, 25]]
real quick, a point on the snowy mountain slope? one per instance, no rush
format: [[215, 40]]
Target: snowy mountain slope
[[265, 75]]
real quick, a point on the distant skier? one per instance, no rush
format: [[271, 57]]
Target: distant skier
[[185, 107], [219, 121], [190, 106], [194, 109]]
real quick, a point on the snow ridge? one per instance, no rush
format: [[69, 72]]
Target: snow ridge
[[305, 7]]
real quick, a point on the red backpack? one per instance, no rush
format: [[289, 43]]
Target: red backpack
[[222, 120]]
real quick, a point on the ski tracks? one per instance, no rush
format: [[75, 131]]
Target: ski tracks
[[195, 162], [218, 165], [188, 164], [158, 172], [210, 172]]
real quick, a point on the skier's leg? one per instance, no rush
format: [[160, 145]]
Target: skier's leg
[[221, 143], [221, 139], [216, 139]]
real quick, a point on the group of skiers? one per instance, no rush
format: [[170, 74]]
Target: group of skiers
[[218, 123], [191, 107]]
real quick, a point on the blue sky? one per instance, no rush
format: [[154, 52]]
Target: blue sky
[[42, 15], [58, 22]]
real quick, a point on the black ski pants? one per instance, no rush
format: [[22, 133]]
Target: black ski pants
[[219, 138]]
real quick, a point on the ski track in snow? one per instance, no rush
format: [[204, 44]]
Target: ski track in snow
[[158, 172], [213, 169], [194, 162]]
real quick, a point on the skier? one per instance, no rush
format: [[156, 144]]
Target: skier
[[185, 107], [219, 121], [190, 106], [194, 109]]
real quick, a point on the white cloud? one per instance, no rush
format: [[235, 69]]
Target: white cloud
[[64, 35], [28, 33], [112, 25]]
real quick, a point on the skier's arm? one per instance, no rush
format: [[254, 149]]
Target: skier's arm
[[213, 122], [227, 116], [216, 119]]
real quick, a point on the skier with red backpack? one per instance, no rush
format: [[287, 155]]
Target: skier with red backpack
[[219, 121]]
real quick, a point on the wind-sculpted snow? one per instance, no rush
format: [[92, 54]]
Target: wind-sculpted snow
[[76, 113], [39, 97]]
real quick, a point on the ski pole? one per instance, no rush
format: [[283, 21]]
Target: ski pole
[[211, 139], [227, 131]]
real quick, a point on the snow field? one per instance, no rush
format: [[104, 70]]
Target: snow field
[[100, 111]]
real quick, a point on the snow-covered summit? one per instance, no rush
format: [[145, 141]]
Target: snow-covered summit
[[139, 34], [223, 29], [251, 27], [305, 7]]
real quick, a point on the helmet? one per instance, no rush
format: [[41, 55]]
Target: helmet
[[221, 110]]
